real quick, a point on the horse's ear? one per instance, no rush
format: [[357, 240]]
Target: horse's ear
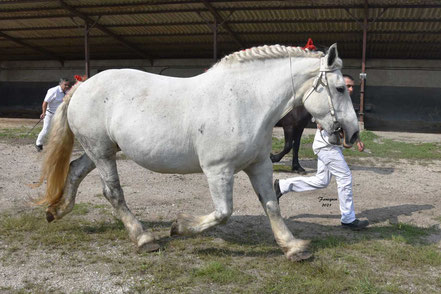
[[332, 54]]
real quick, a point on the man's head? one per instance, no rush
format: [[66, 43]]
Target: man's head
[[349, 81], [64, 84]]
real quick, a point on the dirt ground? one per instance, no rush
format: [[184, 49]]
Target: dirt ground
[[384, 191]]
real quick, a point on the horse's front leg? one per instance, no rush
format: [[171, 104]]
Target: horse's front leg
[[261, 178], [220, 181]]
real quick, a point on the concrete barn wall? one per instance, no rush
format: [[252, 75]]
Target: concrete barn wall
[[400, 94]]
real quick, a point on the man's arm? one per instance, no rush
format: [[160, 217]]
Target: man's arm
[[360, 145], [43, 109]]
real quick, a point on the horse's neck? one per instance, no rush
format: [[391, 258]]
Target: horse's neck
[[280, 85]]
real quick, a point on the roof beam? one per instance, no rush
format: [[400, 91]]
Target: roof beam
[[33, 47], [207, 44], [142, 4], [354, 32], [144, 9], [268, 21], [222, 22], [103, 29]]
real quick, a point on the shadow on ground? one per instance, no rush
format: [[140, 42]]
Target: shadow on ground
[[255, 231]]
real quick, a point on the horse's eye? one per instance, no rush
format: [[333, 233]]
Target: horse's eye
[[341, 89]]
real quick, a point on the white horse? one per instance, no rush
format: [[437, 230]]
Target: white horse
[[218, 123]]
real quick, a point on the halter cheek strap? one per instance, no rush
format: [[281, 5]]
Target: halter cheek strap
[[321, 79]]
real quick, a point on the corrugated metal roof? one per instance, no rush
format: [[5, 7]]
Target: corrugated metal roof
[[40, 29]]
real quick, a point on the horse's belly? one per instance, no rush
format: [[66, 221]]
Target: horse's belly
[[165, 161]]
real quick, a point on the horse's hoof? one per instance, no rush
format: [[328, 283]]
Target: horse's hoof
[[299, 170], [149, 247], [300, 256], [49, 217], [274, 158]]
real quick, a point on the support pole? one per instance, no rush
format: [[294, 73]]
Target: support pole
[[86, 48], [215, 41], [363, 63]]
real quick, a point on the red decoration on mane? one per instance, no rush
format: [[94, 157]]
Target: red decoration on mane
[[310, 45], [80, 78]]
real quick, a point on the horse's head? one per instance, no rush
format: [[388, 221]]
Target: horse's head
[[328, 101]]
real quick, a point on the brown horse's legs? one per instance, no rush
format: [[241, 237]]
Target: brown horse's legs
[[288, 133], [297, 136]]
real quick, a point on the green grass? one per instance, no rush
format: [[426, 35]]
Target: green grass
[[22, 132], [375, 146], [387, 148], [405, 232], [377, 260], [219, 273], [60, 233]]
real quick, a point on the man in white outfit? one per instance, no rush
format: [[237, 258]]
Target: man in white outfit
[[330, 162], [53, 99]]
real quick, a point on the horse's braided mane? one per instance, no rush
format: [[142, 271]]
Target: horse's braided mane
[[268, 52]]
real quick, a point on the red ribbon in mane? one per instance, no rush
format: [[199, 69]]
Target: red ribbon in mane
[[80, 78], [310, 45]]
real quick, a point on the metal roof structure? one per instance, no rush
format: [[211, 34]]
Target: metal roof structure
[[55, 29]]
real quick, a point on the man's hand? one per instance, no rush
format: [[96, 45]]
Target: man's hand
[[360, 146], [43, 109]]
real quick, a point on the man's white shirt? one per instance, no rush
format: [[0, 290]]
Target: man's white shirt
[[54, 98]]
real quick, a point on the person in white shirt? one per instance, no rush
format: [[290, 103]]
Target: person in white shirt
[[330, 162], [53, 99]]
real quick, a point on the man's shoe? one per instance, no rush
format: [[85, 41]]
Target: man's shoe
[[39, 148], [356, 224], [277, 190]]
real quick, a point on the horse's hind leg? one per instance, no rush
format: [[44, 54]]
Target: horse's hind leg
[[260, 175], [78, 170], [220, 181], [113, 192]]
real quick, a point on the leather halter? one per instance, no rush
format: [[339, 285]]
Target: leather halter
[[321, 79]]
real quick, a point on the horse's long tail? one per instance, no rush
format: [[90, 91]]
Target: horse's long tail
[[55, 166]]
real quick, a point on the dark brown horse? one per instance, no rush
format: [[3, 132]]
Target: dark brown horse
[[293, 125]]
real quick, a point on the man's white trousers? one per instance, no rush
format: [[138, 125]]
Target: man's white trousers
[[46, 127], [331, 162]]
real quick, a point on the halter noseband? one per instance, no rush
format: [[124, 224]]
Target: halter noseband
[[321, 79]]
